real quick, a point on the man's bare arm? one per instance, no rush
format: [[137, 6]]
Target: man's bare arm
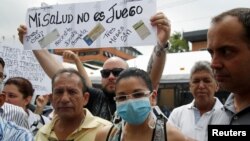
[[68, 54]]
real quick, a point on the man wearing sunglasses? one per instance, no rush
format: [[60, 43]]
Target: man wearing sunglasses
[[101, 101], [105, 105]]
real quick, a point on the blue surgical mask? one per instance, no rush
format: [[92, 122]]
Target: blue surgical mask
[[134, 111]]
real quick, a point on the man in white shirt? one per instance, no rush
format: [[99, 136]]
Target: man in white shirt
[[193, 118]]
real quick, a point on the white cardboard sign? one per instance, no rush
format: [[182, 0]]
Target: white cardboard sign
[[89, 25], [23, 63]]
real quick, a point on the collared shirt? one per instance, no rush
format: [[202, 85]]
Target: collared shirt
[[11, 132], [187, 118], [86, 132], [228, 115], [15, 114]]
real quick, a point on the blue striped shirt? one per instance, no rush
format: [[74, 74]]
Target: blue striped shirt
[[14, 114], [11, 132]]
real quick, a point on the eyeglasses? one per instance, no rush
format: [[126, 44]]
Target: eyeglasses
[[106, 72], [2, 76], [133, 95]]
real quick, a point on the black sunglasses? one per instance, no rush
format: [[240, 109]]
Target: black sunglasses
[[106, 72]]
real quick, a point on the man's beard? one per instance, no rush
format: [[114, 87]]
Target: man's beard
[[109, 94]]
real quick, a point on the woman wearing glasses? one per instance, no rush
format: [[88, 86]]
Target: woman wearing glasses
[[134, 98]]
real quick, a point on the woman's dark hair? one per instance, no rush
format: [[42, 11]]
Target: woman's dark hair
[[135, 72], [2, 62], [24, 85]]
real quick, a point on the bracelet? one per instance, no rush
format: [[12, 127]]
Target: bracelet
[[163, 48]]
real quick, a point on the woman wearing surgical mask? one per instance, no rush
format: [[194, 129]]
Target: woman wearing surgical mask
[[134, 98]]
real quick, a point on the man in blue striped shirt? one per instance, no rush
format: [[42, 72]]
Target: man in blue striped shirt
[[11, 132], [13, 113]]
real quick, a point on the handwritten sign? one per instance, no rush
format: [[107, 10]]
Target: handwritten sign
[[96, 24], [22, 63]]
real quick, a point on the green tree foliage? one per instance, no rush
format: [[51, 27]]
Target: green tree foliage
[[178, 44]]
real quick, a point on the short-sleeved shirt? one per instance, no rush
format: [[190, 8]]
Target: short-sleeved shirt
[[14, 114], [100, 104], [9, 131], [85, 132], [228, 115]]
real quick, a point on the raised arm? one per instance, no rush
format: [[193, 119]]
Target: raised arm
[[41, 102], [158, 57], [49, 64], [68, 54]]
